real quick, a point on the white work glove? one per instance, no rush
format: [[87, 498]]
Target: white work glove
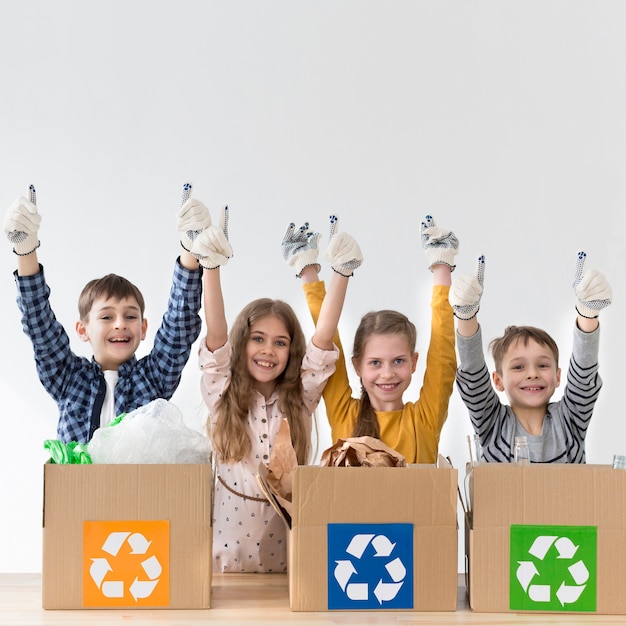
[[439, 245], [211, 247], [466, 292], [299, 247], [21, 224], [343, 252], [593, 292], [192, 218]]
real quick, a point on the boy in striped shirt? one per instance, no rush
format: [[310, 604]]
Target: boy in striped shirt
[[527, 370]]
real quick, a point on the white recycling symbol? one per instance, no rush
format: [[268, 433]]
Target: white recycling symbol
[[383, 548], [139, 545], [566, 549]]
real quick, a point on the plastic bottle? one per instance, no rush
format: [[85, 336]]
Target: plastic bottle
[[521, 454], [619, 461], [475, 452]]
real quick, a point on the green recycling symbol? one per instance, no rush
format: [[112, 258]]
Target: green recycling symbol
[[553, 568]]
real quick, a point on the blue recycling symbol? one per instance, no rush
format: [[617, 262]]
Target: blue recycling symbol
[[370, 566]]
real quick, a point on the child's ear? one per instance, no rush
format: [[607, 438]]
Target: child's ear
[[144, 328], [497, 381], [414, 362], [357, 369], [81, 331], [558, 376]]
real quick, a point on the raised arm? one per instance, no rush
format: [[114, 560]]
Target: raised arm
[[212, 249], [593, 293], [191, 220], [300, 250], [344, 256], [465, 295], [214, 313], [21, 226]]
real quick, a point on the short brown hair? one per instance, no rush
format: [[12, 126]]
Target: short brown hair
[[500, 345], [109, 286]]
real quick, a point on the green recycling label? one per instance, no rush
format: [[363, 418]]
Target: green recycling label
[[553, 568]]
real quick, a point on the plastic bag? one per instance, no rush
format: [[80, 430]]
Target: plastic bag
[[67, 453], [154, 433]]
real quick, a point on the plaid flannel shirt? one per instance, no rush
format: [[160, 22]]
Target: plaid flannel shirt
[[77, 383]]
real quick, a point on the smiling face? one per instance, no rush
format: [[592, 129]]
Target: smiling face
[[267, 352], [385, 369], [114, 328], [529, 376]]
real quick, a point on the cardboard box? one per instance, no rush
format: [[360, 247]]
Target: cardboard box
[[381, 538], [127, 536], [547, 538]]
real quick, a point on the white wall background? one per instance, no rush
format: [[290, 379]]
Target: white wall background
[[505, 120]]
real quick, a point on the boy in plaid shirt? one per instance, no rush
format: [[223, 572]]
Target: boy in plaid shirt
[[91, 392]]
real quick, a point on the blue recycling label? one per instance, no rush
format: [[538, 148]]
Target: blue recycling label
[[370, 566]]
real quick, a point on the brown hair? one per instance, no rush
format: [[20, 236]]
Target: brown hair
[[230, 440], [384, 322], [109, 286], [500, 345]]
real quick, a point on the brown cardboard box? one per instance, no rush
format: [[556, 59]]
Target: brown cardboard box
[[351, 535], [131, 536], [548, 538]]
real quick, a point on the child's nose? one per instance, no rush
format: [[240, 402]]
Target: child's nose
[[387, 371]]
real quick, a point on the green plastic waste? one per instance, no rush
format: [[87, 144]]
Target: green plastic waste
[[67, 453], [72, 452]]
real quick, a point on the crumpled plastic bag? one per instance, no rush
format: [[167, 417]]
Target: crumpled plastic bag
[[67, 453], [153, 433], [361, 451]]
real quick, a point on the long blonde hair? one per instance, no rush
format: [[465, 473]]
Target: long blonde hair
[[230, 440], [384, 322]]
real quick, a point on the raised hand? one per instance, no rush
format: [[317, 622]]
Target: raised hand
[[299, 247], [21, 224], [192, 218], [593, 291], [439, 245], [343, 252], [211, 246], [466, 292]]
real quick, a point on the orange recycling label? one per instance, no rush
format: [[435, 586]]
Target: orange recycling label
[[126, 563]]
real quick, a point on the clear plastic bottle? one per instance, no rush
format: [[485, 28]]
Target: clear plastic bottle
[[476, 453], [619, 461], [475, 450], [521, 453]]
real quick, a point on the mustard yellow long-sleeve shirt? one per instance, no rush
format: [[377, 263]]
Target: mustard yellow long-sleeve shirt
[[414, 430]]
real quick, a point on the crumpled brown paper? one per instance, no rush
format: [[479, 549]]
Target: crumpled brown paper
[[276, 480], [278, 476], [361, 451]]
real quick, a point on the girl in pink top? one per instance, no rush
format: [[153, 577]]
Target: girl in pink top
[[252, 378]]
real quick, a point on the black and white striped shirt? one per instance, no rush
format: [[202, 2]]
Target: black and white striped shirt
[[564, 428]]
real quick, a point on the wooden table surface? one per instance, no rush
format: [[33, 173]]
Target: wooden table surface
[[251, 599]]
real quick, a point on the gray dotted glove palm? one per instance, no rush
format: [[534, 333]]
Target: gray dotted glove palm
[[21, 224], [343, 252], [192, 218], [299, 247], [439, 245], [211, 247], [593, 291], [466, 292]]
